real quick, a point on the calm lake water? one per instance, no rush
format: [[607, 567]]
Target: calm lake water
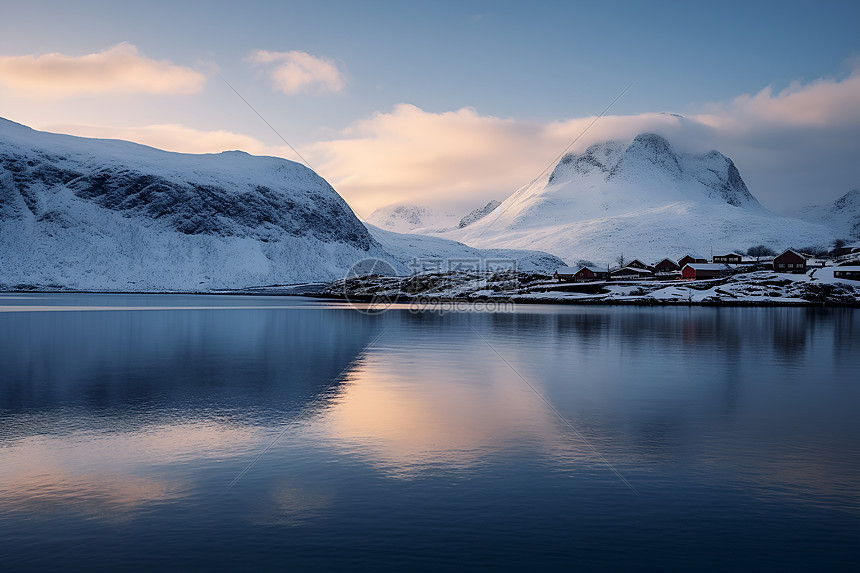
[[171, 432]]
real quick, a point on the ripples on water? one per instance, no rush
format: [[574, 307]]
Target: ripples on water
[[186, 432]]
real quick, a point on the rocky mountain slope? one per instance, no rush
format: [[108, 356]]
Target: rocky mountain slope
[[478, 214]]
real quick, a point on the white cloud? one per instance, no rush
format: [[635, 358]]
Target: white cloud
[[118, 69], [794, 147], [297, 72], [174, 137]]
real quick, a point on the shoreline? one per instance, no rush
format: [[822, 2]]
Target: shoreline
[[435, 301], [430, 302]]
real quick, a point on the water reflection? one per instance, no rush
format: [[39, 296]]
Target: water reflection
[[416, 408], [104, 412], [110, 474], [401, 433], [653, 389], [141, 365]]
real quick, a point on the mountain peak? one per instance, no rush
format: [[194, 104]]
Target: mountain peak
[[649, 151], [649, 162], [652, 141]]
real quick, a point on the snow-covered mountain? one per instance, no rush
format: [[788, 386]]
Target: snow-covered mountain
[[112, 215], [642, 199], [478, 214], [842, 215], [408, 218]]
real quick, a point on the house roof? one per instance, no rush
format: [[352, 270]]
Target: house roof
[[730, 254], [595, 270], [574, 270], [706, 266], [799, 254], [635, 270]]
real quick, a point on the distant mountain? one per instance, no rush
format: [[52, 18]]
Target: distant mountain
[[641, 199], [427, 251], [479, 213], [112, 215], [408, 218], [842, 215]]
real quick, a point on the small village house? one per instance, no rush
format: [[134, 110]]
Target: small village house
[[729, 259], [588, 274], [688, 258], [846, 272], [789, 261], [630, 273], [667, 266], [564, 274], [637, 264], [694, 271]]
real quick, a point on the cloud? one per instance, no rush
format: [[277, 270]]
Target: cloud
[[174, 137], [120, 69], [410, 155], [298, 72], [793, 147]]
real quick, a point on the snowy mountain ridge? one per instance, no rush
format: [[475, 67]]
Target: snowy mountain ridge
[[843, 215], [479, 213]]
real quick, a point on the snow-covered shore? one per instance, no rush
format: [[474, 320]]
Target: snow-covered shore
[[816, 287]]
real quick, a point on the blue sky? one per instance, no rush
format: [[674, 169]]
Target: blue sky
[[530, 64]]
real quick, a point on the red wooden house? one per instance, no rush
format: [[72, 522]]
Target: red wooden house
[[588, 274], [637, 264], [789, 262], [693, 271], [579, 275], [687, 259], [666, 266]]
